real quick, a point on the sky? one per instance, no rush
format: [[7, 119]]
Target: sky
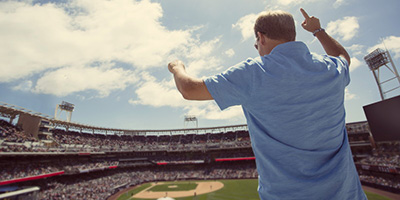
[[109, 58]]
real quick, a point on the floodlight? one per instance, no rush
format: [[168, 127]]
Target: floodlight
[[64, 106], [190, 118], [375, 60]]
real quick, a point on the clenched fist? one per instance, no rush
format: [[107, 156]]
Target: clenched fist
[[175, 65]]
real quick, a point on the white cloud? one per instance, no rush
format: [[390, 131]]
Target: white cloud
[[230, 53], [246, 26], [201, 66], [356, 49], [348, 95], [36, 38], [294, 2], [158, 94], [102, 79], [355, 63], [24, 86], [200, 58], [198, 50], [392, 43], [212, 112], [345, 28], [338, 3]]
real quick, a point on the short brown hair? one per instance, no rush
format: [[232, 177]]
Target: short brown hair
[[276, 25]]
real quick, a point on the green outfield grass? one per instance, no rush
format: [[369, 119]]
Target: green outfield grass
[[128, 194], [232, 190], [373, 196]]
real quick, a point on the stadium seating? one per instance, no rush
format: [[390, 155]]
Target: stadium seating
[[80, 165]]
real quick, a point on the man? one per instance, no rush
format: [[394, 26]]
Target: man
[[293, 103]]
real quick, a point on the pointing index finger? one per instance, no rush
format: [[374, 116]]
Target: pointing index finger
[[304, 13]]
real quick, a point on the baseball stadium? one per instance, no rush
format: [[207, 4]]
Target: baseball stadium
[[107, 61], [45, 158]]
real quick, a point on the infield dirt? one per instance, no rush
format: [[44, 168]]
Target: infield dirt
[[202, 188]]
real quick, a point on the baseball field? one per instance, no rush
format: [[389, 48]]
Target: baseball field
[[245, 189]]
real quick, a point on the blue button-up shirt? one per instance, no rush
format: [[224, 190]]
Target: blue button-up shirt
[[293, 103]]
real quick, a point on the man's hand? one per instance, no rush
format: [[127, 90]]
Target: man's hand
[[310, 24], [330, 45], [175, 65], [191, 88]]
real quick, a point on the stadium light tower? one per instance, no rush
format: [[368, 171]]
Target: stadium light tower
[[64, 106], [189, 119], [375, 60]]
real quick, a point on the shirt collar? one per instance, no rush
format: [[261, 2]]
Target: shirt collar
[[290, 48]]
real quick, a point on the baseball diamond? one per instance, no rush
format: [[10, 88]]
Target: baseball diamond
[[236, 189], [198, 189]]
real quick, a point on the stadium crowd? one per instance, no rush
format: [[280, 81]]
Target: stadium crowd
[[14, 140], [11, 133], [176, 142], [12, 171], [15, 170], [103, 185], [388, 182], [382, 160], [386, 154], [390, 148], [23, 169]]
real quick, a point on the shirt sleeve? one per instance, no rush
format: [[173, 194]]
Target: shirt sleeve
[[345, 68], [232, 87], [342, 66]]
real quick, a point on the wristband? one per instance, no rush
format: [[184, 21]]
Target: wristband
[[317, 31]]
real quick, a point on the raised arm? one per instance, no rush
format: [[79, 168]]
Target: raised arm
[[330, 45], [191, 88]]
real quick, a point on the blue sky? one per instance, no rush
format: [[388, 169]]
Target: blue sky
[[110, 58]]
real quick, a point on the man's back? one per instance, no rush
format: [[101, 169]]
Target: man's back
[[293, 102], [299, 97], [299, 101]]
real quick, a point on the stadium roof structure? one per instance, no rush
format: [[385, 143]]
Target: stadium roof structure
[[11, 111]]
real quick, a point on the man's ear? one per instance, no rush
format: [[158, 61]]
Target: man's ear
[[262, 38]]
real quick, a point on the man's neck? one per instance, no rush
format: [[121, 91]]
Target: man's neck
[[271, 44]]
